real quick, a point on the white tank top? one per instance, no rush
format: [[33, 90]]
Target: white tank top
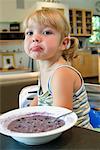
[[80, 100]]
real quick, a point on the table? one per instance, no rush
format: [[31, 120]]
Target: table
[[75, 138]]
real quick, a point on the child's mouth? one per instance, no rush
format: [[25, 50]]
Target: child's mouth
[[36, 49]]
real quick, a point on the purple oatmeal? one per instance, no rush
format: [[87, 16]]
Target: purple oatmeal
[[35, 124]]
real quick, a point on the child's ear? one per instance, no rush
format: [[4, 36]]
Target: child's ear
[[66, 42]]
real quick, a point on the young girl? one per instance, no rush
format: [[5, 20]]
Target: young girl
[[47, 39]]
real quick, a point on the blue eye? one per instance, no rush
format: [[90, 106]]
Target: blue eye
[[47, 32], [29, 33]]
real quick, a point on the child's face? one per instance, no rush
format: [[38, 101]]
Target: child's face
[[42, 42]]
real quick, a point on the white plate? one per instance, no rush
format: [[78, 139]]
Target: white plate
[[37, 138]]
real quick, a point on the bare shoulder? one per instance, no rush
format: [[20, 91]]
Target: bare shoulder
[[65, 72], [66, 75]]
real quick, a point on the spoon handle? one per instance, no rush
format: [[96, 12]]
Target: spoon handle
[[63, 115]]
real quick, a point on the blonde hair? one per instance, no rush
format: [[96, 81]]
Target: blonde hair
[[55, 18]]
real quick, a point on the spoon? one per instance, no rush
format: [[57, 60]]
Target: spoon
[[61, 116]]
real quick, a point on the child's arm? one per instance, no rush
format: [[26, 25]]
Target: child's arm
[[64, 83], [34, 101]]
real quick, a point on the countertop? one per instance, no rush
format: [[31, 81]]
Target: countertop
[[75, 138], [21, 76], [14, 71]]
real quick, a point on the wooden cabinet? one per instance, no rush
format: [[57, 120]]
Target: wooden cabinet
[[81, 22], [87, 64], [11, 35], [11, 38], [99, 64], [10, 87], [11, 31]]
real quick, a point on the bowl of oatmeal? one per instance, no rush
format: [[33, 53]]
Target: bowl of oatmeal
[[36, 125]]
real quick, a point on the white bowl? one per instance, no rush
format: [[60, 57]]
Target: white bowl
[[37, 138]]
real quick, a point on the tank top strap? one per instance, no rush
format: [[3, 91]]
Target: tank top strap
[[60, 66]]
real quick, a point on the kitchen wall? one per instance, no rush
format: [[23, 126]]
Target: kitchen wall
[[5, 20], [16, 10], [9, 8], [19, 54]]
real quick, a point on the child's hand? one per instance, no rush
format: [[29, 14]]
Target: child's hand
[[34, 101]]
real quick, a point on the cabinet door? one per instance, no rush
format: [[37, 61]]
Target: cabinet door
[[86, 64], [81, 22], [71, 17], [80, 64], [99, 65], [88, 22]]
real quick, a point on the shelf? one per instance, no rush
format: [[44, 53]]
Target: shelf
[[12, 35], [12, 42], [8, 22], [81, 22], [16, 69], [96, 43], [80, 35], [10, 32], [1, 52]]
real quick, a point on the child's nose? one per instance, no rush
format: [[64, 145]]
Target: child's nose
[[36, 38]]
